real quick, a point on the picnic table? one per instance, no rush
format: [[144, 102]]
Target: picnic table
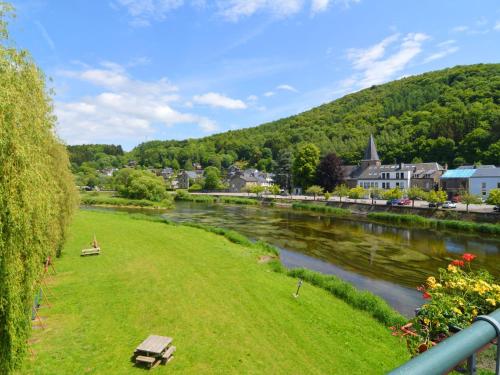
[[153, 350]]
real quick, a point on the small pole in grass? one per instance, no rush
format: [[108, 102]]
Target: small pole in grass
[[299, 284]]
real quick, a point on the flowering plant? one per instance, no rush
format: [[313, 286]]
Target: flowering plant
[[454, 299]]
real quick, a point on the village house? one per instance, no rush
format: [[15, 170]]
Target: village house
[[477, 180], [371, 173], [239, 180], [185, 177]]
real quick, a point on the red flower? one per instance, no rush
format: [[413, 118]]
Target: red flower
[[426, 295], [458, 263], [468, 257]]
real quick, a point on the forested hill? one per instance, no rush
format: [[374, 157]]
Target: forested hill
[[450, 116]]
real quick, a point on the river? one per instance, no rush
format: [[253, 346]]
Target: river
[[387, 260]]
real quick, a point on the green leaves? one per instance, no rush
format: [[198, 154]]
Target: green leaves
[[37, 193]]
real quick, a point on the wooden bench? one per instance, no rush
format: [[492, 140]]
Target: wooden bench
[[149, 361], [91, 251], [168, 355]]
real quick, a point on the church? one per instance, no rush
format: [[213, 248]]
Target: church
[[371, 173]]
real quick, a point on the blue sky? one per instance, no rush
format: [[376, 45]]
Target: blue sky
[[128, 71]]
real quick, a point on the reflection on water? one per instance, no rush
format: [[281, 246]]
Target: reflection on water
[[387, 260]]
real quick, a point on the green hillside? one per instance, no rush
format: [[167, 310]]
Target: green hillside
[[450, 116]]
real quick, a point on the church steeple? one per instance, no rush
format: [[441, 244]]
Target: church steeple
[[371, 150], [371, 155]]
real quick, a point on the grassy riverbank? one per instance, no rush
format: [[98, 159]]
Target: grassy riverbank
[[465, 226], [225, 310]]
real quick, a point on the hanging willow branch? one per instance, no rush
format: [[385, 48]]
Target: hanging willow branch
[[37, 192]]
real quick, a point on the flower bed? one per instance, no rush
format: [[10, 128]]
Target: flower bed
[[455, 297]]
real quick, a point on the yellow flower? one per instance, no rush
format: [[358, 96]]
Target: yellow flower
[[452, 268], [431, 282], [426, 321], [474, 312], [457, 311], [491, 301]]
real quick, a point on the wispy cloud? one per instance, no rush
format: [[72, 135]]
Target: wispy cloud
[[214, 99], [234, 10], [287, 88], [497, 26], [46, 35], [124, 108], [460, 29], [318, 6], [143, 12], [443, 49], [268, 94], [375, 65]]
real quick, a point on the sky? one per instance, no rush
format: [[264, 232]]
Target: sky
[[130, 71]]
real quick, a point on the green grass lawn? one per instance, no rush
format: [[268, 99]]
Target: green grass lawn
[[226, 312]]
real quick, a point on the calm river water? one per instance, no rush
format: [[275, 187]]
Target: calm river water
[[386, 260]]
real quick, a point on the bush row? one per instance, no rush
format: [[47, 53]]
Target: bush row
[[118, 201], [321, 208], [467, 226], [237, 200]]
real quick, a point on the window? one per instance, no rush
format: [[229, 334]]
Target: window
[[483, 185], [498, 185], [397, 184], [383, 185], [483, 192], [383, 176], [388, 185], [376, 184], [402, 175]]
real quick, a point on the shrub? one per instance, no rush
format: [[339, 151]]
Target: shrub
[[183, 195], [236, 200], [321, 208]]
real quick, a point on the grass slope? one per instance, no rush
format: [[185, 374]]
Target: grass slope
[[226, 312]]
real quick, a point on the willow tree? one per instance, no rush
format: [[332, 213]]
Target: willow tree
[[37, 194]]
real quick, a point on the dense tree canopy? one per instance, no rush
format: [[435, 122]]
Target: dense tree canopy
[[139, 184], [330, 173]]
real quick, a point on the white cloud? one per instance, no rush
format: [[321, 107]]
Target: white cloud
[[124, 110], [144, 11], [375, 66], [269, 94], [233, 10], [460, 29], [287, 88], [214, 99], [252, 98], [444, 49], [497, 26], [319, 5]]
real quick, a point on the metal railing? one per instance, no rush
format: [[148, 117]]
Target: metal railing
[[462, 346]]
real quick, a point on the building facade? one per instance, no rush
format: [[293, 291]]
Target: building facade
[[371, 173]]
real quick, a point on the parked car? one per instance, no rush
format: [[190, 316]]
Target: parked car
[[456, 199], [496, 208], [404, 202], [449, 204], [435, 205], [392, 202]]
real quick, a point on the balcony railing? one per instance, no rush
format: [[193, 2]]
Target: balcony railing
[[462, 346]]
